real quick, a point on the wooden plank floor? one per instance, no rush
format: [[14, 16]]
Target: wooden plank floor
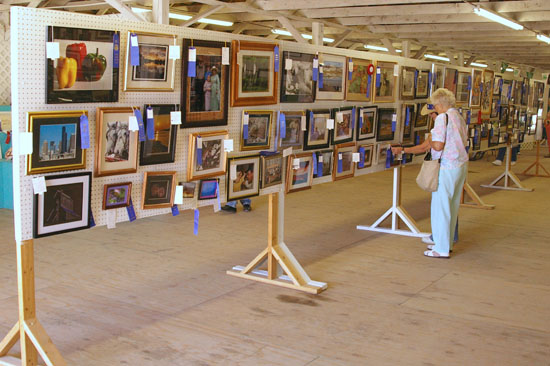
[[150, 293]]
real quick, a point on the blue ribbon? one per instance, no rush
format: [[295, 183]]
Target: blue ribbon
[[435, 79], [509, 91], [218, 192], [315, 71], [131, 212], [320, 80], [199, 153], [481, 87], [84, 132], [134, 52], [196, 222], [469, 82], [361, 157], [150, 125], [429, 78], [353, 112], [417, 142], [468, 117], [175, 210], [245, 130], [139, 118], [476, 134], [369, 80], [360, 120], [377, 77], [319, 169], [340, 168], [310, 119], [350, 70], [116, 50], [276, 58], [415, 78], [314, 163], [456, 76], [407, 117], [192, 66], [282, 125], [389, 158], [500, 85], [92, 221], [393, 125]]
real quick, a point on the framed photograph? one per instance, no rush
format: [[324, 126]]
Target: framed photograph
[[116, 146], [487, 92], [247, 181], [156, 71], [259, 130], [188, 189], [369, 149], [317, 136], [506, 92], [421, 122], [422, 87], [384, 126], [539, 91], [462, 91], [208, 189], [356, 89], [299, 176], [516, 92], [408, 109], [525, 87], [86, 71], [116, 195], [438, 78], [344, 167], [368, 117], [505, 116], [162, 148], [324, 162], [158, 190], [477, 79], [496, 86], [451, 79], [344, 124], [65, 206], [56, 142], [494, 108], [253, 74], [297, 84], [272, 170], [213, 154], [407, 82], [334, 77], [293, 135], [531, 127], [204, 97], [384, 92]]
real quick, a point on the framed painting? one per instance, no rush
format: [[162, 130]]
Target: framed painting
[[384, 91], [156, 71], [495, 108], [487, 92], [516, 92], [297, 84], [382, 155], [293, 132], [317, 136], [407, 82], [358, 88], [158, 190], [334, 77], [162, 148], [384, 125], [408, 116], [477, 79], [525, 92], [246, 182], [189, 189], [258, 129], [504, 116], [422, 84], [344, 124], [56, 142], [213, 156], [451, 79], [204, 97], [463, 88], [116, 146], [367, 159], [253, 74], [531, 127], [324, 164], [87, 69], [506, 92], [368, 117], [497, 84], [344, 167], [494, 135], [299, 176], [65, 206], [438, 79], [539, 91], [208, 189], [420, 121], [117, 195], [272, 170]]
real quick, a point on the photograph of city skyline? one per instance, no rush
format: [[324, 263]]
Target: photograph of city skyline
[[57, 141]]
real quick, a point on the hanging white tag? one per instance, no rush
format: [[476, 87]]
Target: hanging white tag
[[320, 69], [303, 120], [330, 124], [395, 70], [287, 152], [394, 117], [288, 64], [111, 219], [339, 156], [174, 53], [192, 54], [134, 41], [320, 158], [233, 172], [199, 142], [350, 65], [52, 50], [149, 113], [133, 123], [315, 63], [39, 185], [225, 55], [245, 119], [378, 70], [178, 198], [339, 117], [296, 163], [228, 145], [25, 143], [175, 118], [356, 157]]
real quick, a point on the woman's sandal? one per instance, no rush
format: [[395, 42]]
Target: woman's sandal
[[431, 247], [434, 254]]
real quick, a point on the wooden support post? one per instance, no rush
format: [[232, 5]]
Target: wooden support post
[[32, 336], [278, 256], [318, 32], [161, 11], [476, 202], [508, 176], [537, 165]]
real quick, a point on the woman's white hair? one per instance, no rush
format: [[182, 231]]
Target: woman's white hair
[[443, 97]]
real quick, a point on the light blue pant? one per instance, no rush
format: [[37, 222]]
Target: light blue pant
[[445, 204], [244, 201]]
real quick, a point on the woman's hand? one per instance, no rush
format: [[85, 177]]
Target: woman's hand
[[396, 150]]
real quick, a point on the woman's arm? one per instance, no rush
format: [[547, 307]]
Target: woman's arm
[[417, 149]]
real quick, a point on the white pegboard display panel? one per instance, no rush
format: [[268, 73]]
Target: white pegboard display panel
[[29, 28]]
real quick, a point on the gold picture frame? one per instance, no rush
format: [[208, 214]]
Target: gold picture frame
[[214, 156], [385, 93]]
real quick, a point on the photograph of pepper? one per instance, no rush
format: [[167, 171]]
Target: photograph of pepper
[[86, 70]]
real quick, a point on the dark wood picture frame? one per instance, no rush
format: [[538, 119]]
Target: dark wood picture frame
[[299, 76], [161, 117], [385, 116]]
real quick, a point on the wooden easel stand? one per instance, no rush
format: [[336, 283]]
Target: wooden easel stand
[[508, 176], [476, 201], [537, 165]]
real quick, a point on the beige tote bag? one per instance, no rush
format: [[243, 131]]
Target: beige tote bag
[[428, 178]]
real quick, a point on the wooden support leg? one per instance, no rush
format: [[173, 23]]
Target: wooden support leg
[[508, 176], [477, 202], [537, 165]]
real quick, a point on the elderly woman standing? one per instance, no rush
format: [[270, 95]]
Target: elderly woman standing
[[447, 141]]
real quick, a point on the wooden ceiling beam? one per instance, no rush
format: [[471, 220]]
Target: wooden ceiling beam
[[202, 14], [341, 38], [124, 10], [309, 4], [296, 34], [418, 55]]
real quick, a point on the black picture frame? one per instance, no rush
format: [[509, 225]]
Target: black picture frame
[[423, 75], [407, 129], [421, 122], [368, 130], [349, 120], [317, 114], [328, 159], [66, 199], [301, 74], [272, 168], [192, 119], [75, 37], [161, 117], [201, 195], [384, 124]]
